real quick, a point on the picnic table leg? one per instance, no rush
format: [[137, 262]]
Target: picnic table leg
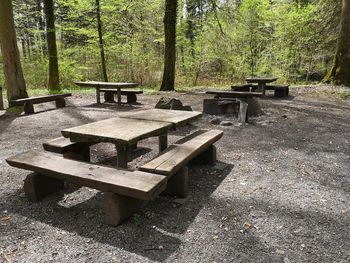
[[163, 142], [28, 108], [263, 88], [119, 97], [98, 95], [122, 156]]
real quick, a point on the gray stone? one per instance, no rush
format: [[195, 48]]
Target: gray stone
[[226, 123], [171, 104]]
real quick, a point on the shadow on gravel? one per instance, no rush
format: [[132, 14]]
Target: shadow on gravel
[[80, 212]]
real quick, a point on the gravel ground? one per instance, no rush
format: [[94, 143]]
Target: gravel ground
[[279, 193]]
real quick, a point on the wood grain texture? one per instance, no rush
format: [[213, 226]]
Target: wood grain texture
[[62, 145], [136, 184], [120, 131], [176, 117], [179, 154], [40, 99], [106, 85]]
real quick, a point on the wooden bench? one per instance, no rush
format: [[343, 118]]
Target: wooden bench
[[28, 102], [130, 94], [124, 190], [280, 91], [71, 150], [233, 94], [172, 163]]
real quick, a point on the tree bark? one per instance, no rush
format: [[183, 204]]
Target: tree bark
[[100, 36], [14, 79], [340, 71], [54, 83], [170, 42]]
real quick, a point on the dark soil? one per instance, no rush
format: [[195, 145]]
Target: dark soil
[[279, 193]]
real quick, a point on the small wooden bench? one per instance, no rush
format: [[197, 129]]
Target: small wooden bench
[[28, 102], [130, 95], [71, 150], [233, 94], [280, 91], [172, 163], [124, 190]]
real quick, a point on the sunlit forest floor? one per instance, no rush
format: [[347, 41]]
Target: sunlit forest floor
[[279, 193]]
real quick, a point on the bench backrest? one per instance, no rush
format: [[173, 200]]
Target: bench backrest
[[136, 184]]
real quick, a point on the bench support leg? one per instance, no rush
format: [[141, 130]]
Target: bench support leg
[[163, 142], [280, 93], [28, 108], [178, 184], [131, 98], [122, 156], [243, 111], [117, 208], [81, 154], [37, 186], [109, 97], [60, 103], [206, 158]]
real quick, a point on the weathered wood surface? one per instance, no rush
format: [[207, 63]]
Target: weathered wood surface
[[122, 92], [40, 99], [120, 131], [136, 184], [62, 145], [106, 85], [234, 94], [261, 79], [175, 117], [179, 154]]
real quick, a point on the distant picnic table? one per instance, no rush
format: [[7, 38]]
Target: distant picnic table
[[261, 81], [98, 85]]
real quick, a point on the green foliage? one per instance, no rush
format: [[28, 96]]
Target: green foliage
[[218, 42]]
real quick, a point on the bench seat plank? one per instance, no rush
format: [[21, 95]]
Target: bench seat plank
[[122, 92], [184, 150], [234, 94], [135, 184], [62, 145], [40, 99]]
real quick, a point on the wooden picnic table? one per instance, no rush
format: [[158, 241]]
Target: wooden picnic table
[[125, 132], [107, 85], [261, 82]]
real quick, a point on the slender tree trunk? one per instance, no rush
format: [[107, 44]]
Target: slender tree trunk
[[170, 42], [340, 71], [100, 36], [14, 79], [54, 83]]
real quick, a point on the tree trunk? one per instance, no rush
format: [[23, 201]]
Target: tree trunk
[[170, 41], [340, 71], [54, 83], [14, 79], [100, 36]]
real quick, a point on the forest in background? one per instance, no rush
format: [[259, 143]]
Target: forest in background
[[218, 41]]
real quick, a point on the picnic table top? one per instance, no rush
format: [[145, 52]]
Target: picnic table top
[[175, 117], [102, 84], [261, 79], [120, 131]]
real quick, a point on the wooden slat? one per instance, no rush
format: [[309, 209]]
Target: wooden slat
[[176, 117], [234, 94], [101, 84], [183, 151], [40, 99], [136, 184], [62, 145], [116, 130], [122, 92]]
